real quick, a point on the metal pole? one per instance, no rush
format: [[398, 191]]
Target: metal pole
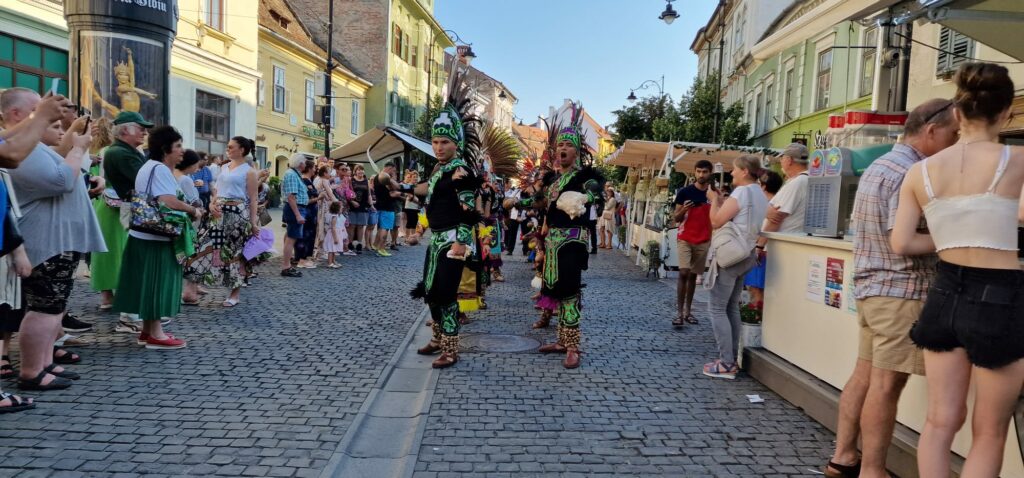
[[718, 92], [327, 79]]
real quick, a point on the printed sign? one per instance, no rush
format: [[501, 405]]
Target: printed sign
[[834, 283], [815, 278]]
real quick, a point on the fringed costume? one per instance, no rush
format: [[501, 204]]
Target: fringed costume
[[451, 214]]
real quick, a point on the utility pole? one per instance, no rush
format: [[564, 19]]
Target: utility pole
[[326, 115], [721, 55]]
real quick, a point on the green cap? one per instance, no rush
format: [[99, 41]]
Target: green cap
[[132, 117]]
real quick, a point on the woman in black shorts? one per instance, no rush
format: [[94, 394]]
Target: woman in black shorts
[[972, 323]]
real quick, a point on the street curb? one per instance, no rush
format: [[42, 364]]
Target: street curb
[[373, 445]]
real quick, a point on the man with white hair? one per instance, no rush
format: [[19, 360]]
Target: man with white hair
[[58, 226], [121, 163], [17, 140], [296, 198]]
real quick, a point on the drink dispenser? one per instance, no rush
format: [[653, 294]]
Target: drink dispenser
[[832, 180]]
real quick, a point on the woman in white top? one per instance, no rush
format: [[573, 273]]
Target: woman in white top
[[746, 208], [150, 283], [973, 318], [235, 205]]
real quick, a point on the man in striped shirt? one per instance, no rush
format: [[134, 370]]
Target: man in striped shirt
[[295, 196]]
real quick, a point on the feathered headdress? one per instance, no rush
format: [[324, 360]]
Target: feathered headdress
[[502, 152], [457, 120], [573, 132], [552, 125]]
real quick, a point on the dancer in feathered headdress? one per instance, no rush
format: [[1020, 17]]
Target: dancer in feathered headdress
[[452, 215], [565, 256]]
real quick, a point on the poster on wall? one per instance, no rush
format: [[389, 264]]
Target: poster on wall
[[815, 278], [851, 301], [834, 283], [122, 73]]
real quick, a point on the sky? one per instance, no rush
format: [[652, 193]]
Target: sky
[[594, 51]]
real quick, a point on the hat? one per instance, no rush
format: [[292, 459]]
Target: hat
[[448, 124], [132, 117], [797, 152]]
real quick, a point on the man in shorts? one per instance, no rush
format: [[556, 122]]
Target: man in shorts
[[693, 213], [385, 191], [890, 291], [296, 197]]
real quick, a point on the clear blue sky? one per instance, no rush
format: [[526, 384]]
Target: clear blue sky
[[590, 50]]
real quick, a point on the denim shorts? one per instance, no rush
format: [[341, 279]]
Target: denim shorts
[[979, 310], [357, 218], [372, 218], [294, 229]]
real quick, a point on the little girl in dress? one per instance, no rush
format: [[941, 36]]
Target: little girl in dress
[[334, 243]]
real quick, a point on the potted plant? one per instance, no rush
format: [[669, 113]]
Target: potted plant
[[750, 326], [274, 194]]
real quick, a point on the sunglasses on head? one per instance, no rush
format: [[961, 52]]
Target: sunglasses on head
[[937, 112]]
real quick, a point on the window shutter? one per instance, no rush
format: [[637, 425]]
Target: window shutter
[[955, 49]]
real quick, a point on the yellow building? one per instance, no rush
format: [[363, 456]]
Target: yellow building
[[288, 110]]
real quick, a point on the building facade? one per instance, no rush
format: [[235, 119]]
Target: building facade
[[213, 64], [288, 108], [814, 71], [397, 45], [496, 101]]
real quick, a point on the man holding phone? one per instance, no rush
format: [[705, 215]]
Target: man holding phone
[[693, 213]]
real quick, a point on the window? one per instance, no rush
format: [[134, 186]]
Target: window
[[789, 109], [355, 117], [768, 92], [261, 157], [759, 116], [212, 119], [740, 23], [405, 47], [31, 65], [396, 39], [310, 101], [261, 93], [279, 90], [394, 107], [955, 49], [867, 61], [213, 11], [824, 79], [750, 111], [415, 57]]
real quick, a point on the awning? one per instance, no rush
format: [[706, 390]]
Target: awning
[[715, 155], [378, 144], [637, 153]]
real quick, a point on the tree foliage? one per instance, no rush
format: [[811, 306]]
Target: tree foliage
[[422, 130]]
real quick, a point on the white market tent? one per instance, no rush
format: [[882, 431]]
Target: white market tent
[[379, 144]]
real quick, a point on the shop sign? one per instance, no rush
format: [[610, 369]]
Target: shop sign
[[160, 13], [154, 4], [313, 132], [820, 140]]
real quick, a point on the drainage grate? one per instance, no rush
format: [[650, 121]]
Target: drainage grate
[[497, 343]]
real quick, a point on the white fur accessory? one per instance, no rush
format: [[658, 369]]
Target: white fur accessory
[[572, 203], [537, 282]]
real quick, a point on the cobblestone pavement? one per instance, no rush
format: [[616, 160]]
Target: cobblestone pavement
[[267, 388], [638, 405]]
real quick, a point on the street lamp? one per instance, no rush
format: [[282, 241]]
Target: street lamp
[[644, 85], [465, 50], [669, 15]]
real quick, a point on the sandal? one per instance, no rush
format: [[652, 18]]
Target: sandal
[[690, 319], [190, 302], [65, 374], [37, 383], [7, 370], [69, 357], [17, 404], [230, 303], [718, 369], [835, 470], [679, 322]]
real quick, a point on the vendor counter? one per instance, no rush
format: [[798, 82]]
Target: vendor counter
[[810, 321]]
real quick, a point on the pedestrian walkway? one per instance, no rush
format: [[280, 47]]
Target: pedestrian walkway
[[638, 405], [288, 383]]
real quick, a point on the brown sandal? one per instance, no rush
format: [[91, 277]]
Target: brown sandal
[[690, 319]]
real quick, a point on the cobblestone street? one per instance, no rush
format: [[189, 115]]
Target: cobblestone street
[[271, 387]]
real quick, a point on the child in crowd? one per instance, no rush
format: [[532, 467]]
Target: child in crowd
[[334, 243]]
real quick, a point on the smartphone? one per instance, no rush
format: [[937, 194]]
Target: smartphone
[[88, 119], [54, 85]]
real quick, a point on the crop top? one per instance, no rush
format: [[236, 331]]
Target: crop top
[[985, 221]]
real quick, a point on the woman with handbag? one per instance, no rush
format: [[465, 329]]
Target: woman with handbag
[[150, 273], [322, 183], [736, 223]]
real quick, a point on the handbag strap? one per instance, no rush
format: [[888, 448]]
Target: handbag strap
[[149, 183]]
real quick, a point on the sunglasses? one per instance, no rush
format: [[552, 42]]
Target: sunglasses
[[937, 112]]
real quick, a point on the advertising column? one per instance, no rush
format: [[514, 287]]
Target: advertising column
[[120, 55]]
